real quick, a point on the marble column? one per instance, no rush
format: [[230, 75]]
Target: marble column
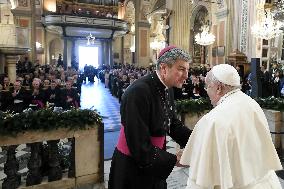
[[33, 32], [11, 61], [107, 53], [65, 53], [122, 50], [110, 53], [73, 54], [137, 7], [2, 63], [11, 55], [102, 51], [181, 24], [73, 51], [142, 37]]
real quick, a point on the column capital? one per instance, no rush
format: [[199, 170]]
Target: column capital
[[12, 59]]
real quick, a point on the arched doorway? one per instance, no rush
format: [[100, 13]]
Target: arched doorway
[[55, 48], [200, 53]]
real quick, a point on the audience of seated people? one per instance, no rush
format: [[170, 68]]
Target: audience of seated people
[[50, 85], [44, 87]]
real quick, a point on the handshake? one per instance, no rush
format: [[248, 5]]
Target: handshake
[[179, 154]]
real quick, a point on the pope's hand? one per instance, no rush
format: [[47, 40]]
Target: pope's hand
[[179, 154]]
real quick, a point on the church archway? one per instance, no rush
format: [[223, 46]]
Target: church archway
[[200, 17], [55, 48]]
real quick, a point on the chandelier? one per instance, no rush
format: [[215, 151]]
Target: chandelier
[[156, 45], [204, 38], [267, 28], [207, 1], [91, 39]]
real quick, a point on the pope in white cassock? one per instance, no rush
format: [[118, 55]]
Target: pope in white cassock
[[231, 146]]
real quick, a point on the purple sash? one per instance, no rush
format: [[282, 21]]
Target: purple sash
[[122, 144]]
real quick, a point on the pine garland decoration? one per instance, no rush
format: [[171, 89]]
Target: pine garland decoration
[[271, 103], [193, 106], [48, 119]]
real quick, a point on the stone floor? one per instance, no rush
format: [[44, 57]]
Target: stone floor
[[96, 96]]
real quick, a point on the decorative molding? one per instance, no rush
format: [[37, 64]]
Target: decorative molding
[[21, 12], [222, 14], [144, 24], [54, 29], [244, 26], [68, 20]]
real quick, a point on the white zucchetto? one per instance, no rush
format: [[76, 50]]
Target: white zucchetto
[[226, 74]]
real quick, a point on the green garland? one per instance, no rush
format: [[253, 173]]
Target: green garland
[[198, 106], [193, 106], [271, 103], [47, 119]]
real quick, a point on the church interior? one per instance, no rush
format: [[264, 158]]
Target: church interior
[[76, 55]]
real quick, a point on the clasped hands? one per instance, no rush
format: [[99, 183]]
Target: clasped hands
[[179, 154]]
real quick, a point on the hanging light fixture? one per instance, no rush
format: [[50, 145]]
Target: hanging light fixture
[[91, 39], [267, 28], [157, 45], [38, 45], [204, 38], [206, 1]]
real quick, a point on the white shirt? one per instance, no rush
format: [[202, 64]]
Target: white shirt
[[231, 146]]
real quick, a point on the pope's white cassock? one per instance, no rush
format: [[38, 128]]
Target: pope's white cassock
[[231, 147]]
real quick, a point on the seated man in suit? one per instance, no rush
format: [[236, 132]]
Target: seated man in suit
[[19, 98], [70, 97], [52, 95]]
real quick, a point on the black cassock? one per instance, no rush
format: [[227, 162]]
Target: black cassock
[[145, 112]]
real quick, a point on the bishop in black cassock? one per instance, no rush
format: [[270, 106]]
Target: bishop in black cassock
[[140, 160]]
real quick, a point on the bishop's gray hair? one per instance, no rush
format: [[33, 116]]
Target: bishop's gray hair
[[171, 56]]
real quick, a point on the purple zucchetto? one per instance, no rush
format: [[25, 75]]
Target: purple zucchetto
[[164, 50]]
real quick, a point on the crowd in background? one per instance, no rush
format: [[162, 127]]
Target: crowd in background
[[119, 77], [272, 81], [39, 86]]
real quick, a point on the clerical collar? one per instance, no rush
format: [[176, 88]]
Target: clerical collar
[[226, 95], [161, 80]]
